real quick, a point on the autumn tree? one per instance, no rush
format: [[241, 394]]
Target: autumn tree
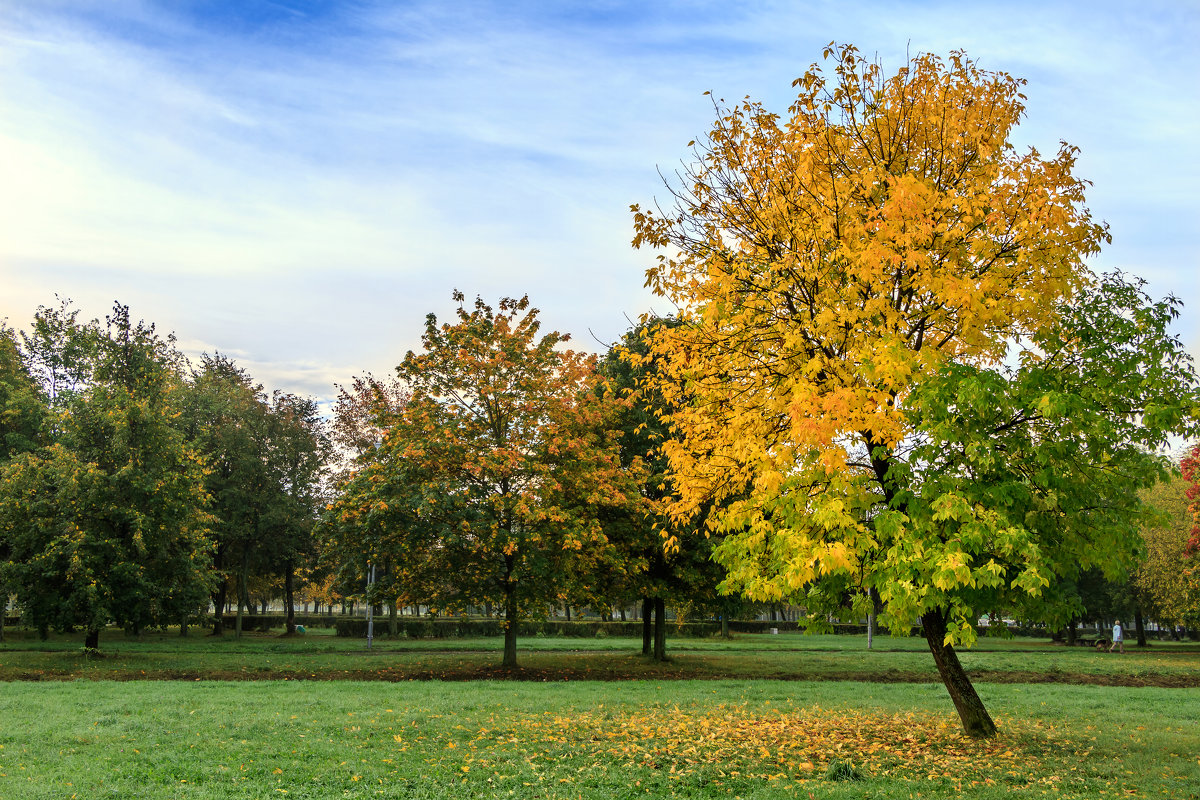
[[483, 486], [1168, 579], [107, 523], [896, 375]]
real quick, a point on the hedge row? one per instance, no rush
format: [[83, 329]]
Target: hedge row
[[462, 627], [265, 622]]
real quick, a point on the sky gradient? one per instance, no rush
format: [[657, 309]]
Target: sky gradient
[[297, 184]]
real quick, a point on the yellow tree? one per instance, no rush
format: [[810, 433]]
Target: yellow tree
[[895, 374]]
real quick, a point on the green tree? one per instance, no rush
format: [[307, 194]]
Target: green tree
[[108, 523], [298, 453], [226, 420], [896, 375], [686, 573], [23, 409]]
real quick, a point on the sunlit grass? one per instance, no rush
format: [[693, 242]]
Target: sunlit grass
[[749, 739]]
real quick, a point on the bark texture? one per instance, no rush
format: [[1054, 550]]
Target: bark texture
[[975, 718]]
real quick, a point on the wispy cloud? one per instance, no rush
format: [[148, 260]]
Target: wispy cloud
[[301, 182]]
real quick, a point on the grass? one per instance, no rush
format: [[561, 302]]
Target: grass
[[322, 656], [757, 739]]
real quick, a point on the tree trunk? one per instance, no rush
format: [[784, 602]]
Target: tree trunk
[[1140, 626], [289, 599], [568, 608], [1071, 633], [393, 620], [975, 718], [647, 626], [724, 626], [243, 599], [623, 619], [510, 629], [92, 641], [3, 610], [660, 629]]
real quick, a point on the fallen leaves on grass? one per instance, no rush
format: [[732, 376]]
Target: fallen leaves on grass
[[734, 743]]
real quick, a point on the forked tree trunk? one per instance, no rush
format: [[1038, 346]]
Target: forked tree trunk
[[660, 629], [975, 718], [647, 626]]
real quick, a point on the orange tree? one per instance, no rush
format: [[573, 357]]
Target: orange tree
[[895, 373], [487, 481]]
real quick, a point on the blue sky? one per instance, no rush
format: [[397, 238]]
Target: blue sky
[[297, 184]]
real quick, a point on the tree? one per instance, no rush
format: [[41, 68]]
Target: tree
[[1167, 581], [298, 452], [108, 522], [896, 373], [480, 489], [685, 574], [22, 411], [225, 418], [265, 460]]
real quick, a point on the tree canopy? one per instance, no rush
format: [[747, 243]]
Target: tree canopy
[[894, 371], [484, 485], [107, 522]]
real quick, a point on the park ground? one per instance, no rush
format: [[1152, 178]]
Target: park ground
[[757, 716]]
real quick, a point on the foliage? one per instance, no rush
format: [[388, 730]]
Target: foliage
[[483, 486], [894, 371], [1167, 580], [1191, 473], [108, 522]]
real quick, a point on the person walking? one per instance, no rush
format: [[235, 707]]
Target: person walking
[[1118, 639]]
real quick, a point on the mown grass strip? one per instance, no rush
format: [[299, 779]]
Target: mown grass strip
[[749, 739]]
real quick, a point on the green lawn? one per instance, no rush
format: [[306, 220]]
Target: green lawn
[[682, 738], [320, 655], [773, 717]]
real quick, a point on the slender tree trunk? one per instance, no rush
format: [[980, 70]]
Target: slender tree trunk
[[243, 600], [647, 626], [568, 609], [975, 718], [1071, 633], [393, 620], [3, 610], [724, 625], [1140, 626], [183, 626], [660, 629], [510, 628], [92, 640], [623, 619], [289, 599]]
